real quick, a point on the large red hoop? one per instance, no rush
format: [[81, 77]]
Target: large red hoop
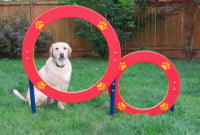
[[76, 12], [166, 66]]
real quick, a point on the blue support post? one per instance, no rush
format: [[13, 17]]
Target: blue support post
[[32, 96], [173, 108], [112, 97]]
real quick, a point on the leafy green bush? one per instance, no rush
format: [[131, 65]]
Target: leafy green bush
[[12, 32], [117, 12]]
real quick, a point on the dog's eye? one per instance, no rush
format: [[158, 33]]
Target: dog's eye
[[56, 48], [64, 48]]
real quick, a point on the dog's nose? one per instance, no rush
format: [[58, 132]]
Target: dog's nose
[[61, 55]]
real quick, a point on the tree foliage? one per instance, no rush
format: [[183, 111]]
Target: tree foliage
[[117, 12]]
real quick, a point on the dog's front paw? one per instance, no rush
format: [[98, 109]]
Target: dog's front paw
[[61, 105]]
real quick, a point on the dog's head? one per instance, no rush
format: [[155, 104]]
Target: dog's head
[[60, 51]]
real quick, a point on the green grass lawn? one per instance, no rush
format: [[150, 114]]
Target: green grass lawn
[[142, 85]]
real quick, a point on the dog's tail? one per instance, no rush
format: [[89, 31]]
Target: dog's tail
[[17, 93]]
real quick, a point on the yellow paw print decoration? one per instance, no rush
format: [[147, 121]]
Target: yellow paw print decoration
[[122, 66], [164, 106], [39, 25], [41, 85], [121, 106], [102, 25], [101, 86], [166, 65]]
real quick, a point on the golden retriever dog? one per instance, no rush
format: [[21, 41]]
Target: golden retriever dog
[[56, 72]]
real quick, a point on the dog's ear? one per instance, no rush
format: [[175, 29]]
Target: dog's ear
[[51, 51], [69, 51]]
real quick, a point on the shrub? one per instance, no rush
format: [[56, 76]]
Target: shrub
[[12, 32]]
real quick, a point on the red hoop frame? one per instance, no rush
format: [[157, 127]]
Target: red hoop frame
[[76, 12], [166, 66]]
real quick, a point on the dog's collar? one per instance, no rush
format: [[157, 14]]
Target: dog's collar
[[59, 65]]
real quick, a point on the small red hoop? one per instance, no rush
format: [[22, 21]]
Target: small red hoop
[[166, 66], [76, 12]]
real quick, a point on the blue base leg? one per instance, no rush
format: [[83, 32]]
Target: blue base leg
[[112, 97], [173, 108], [32, 96]]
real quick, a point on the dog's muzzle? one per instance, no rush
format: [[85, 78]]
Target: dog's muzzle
[[62, 56]]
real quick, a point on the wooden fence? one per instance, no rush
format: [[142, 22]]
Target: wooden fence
[[167, 35]]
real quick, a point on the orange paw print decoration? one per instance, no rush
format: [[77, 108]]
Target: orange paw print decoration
[[164, 106], [122, 66], [41, 85], [102, 25], [166, 65], [121, 106], [39, 25], [101, 86]]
